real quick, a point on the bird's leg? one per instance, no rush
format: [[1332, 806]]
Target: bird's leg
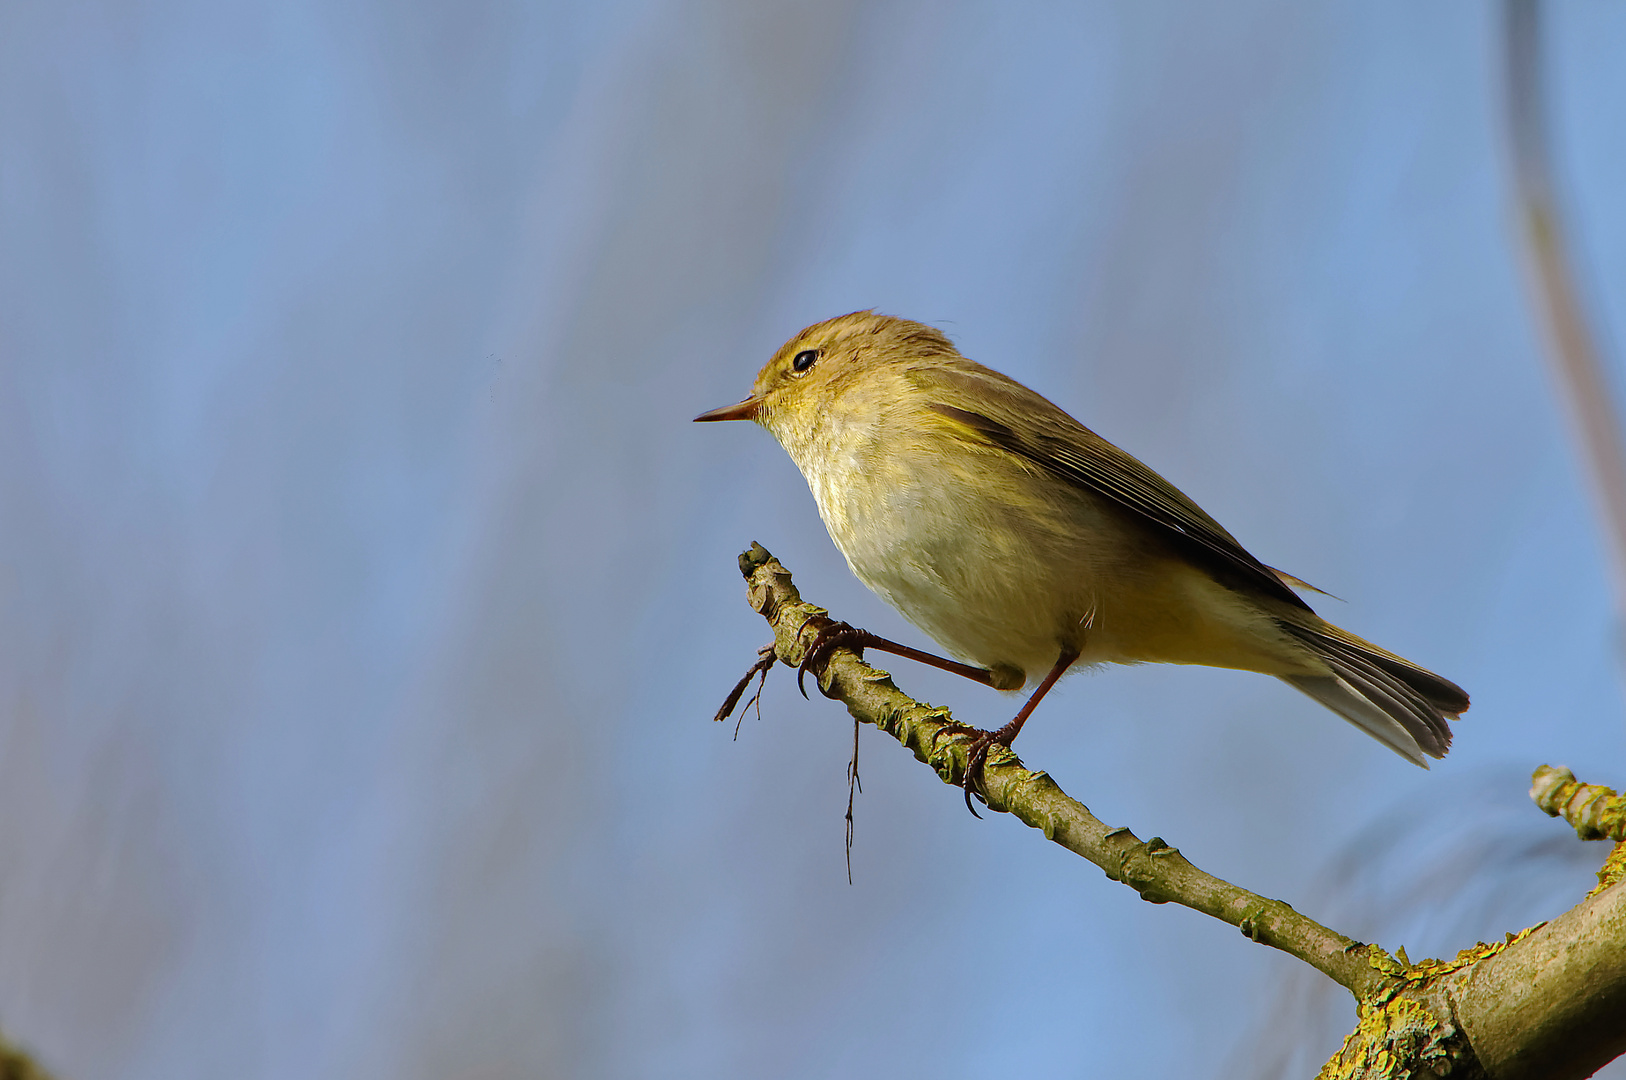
[[985, 740], [836, 634]]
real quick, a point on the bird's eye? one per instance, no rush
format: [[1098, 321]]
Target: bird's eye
[[803, 361]]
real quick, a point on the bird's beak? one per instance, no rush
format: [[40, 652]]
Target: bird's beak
[[745, 410]]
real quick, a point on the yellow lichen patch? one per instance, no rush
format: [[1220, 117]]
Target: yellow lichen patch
[[1612, 870], [1395, 1039], [1412, 976]]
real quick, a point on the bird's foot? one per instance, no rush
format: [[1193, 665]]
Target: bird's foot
[[830, 637], [977, 757]]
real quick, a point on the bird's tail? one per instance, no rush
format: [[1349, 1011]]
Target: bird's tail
[[1396, 702]]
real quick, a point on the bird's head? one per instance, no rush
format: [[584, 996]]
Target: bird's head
[[829, 365]]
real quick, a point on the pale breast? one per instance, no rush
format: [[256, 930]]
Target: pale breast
[[1000, 567]]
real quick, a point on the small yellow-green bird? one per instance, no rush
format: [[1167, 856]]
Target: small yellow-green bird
[[1024, 543]]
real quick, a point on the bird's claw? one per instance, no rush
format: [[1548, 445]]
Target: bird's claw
[[830, 637], [977, 757]]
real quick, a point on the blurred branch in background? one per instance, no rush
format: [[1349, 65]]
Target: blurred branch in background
[[16, 1065], [1547, 1002], [1577, 359]]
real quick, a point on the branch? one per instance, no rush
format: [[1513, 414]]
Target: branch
[[1547, 1002], [1594, 811], [1553, 1003], [1152, 868]]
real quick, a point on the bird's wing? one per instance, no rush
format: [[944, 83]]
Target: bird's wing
[[1049, 438]]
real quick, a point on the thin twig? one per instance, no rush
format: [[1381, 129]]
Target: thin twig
[[853, 784], [759, 670]]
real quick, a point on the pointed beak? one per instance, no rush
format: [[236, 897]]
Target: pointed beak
[[745, 410]]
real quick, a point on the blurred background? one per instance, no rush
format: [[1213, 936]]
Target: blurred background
[[366, 594]]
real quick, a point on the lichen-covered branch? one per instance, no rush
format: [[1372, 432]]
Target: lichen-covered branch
[[1152, 868], [1552, 1003], [1594, 811], [1547, 1002]]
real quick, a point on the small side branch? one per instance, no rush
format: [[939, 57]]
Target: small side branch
[[1593, 811]]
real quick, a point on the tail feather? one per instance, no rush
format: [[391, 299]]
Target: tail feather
[[1398, 703]]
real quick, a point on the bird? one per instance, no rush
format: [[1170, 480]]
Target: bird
[[1027, 545]]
